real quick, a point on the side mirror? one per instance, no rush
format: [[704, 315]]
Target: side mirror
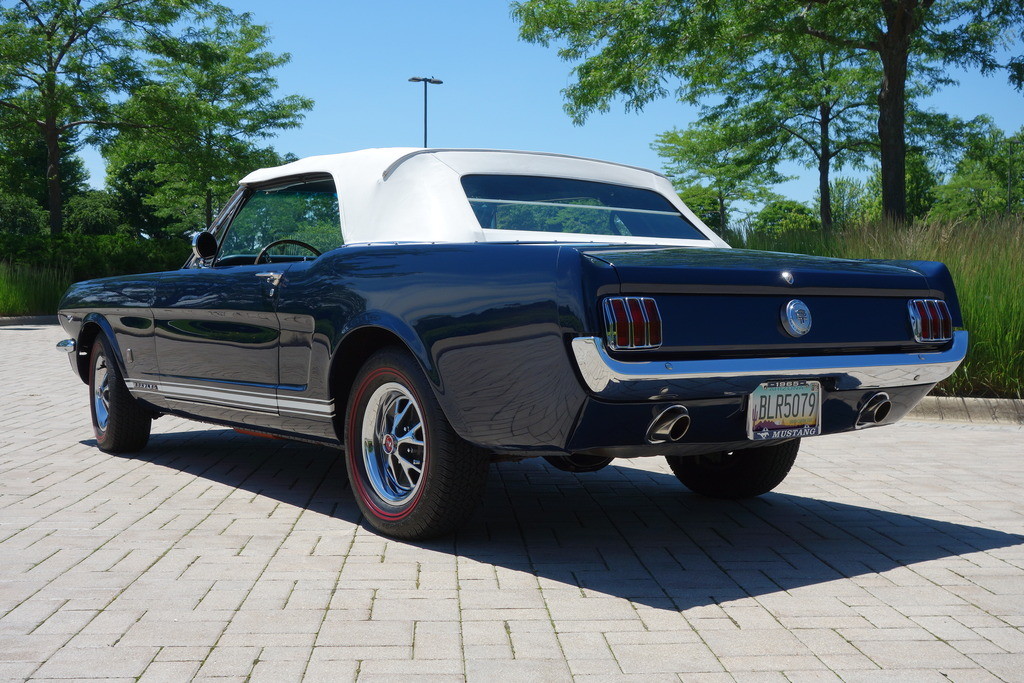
[[204, 245]]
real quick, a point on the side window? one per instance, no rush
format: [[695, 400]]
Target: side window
[[306, 212]]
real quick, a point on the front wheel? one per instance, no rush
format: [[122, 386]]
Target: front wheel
[[118, 421], [738, 474], [412, 475]]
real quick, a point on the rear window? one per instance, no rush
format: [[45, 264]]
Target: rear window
[[539, 204]]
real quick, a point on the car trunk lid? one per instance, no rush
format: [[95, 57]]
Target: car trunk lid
[[729, 303]]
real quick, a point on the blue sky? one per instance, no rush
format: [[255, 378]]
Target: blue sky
[[355, 58]]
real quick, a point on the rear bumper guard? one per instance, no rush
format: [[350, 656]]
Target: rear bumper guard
[[613, 379]]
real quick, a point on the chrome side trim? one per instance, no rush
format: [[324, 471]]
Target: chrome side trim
[[241, 399], [638, 380], [67, 345]]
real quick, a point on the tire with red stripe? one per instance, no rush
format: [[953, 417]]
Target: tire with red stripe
[[412, 475]]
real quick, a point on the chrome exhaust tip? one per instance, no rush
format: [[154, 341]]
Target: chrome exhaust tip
[[875, 409], [671, 424]]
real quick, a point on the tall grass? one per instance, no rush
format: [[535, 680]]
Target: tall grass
[[31, 290], [986, 259], [35, 270]]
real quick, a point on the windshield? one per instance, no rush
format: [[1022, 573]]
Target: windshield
[[539, 204]]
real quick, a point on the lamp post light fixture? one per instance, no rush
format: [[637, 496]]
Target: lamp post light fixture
[[425, 81]]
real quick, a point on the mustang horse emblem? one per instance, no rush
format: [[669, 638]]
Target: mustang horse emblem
[[796, 318]]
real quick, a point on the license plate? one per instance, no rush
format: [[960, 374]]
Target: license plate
[[784, 409]]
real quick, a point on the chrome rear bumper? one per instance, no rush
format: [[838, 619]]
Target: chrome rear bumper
[[670, 380]]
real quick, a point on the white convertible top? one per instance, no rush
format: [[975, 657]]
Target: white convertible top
[[409, 194]]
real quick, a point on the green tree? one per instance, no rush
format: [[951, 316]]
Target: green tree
[[704, 202], [922, 179], [20, 215], [782, 216], [805, 100], [630, 49], [973, 192], [63, 62], [988, 180], [94, 212], [210, 103], [131, 184], [852, 202], [23, 161], [723, 159]]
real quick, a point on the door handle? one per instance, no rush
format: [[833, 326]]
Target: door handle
[[274, 278]]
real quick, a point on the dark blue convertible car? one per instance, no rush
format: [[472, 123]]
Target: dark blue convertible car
[[429, 311]]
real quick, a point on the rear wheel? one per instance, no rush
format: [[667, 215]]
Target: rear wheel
[[737, 474], [120, 423], [412, 475]]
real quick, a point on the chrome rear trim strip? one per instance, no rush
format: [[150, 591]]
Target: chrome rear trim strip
[[670, 380]]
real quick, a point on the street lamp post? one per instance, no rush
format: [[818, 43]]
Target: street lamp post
[[425, 81]]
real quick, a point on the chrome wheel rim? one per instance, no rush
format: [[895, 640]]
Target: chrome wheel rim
[[394, 444], [101, 392]]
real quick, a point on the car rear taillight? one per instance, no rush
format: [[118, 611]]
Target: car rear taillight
[[632, 322], [930, 320]]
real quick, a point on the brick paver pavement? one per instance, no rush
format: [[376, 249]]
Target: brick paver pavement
[[890, 554]]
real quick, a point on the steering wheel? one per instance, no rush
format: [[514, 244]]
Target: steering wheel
[[264, 250]]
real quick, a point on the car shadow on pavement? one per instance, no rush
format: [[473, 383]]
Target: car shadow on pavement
[[622, 531]]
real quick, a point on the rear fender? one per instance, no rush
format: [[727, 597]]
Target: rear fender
[[940, 281], [397, 327], [364, 335], [490, 332]]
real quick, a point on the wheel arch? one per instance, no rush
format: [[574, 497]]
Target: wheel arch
[[93, 325], [349, 357]]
